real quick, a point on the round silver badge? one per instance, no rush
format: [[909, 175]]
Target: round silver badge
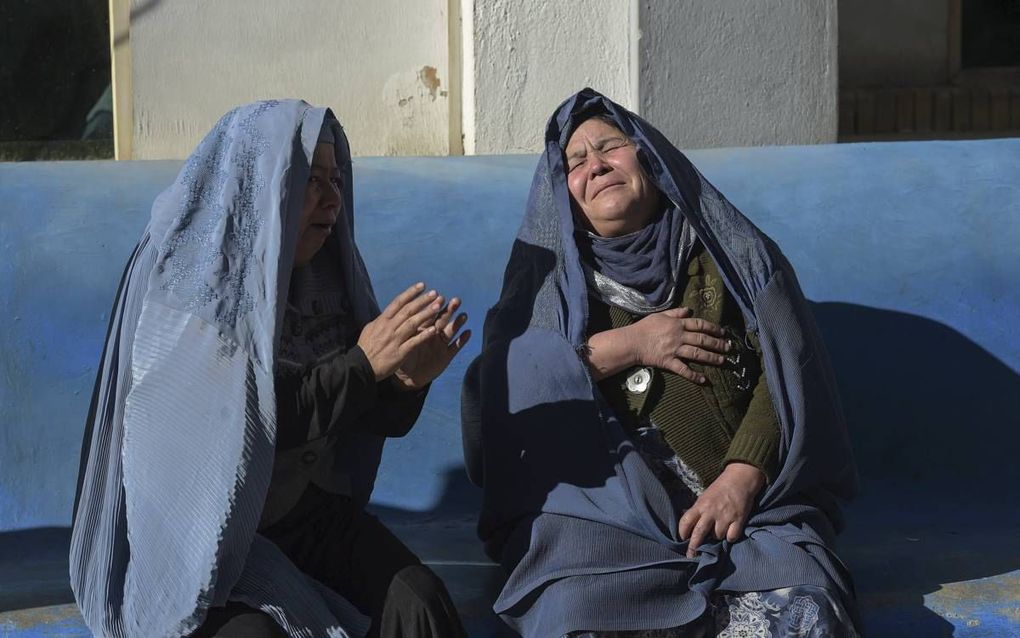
[[639, 381]]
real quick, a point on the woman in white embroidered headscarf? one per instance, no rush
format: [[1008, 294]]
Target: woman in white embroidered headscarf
[[246, 387]]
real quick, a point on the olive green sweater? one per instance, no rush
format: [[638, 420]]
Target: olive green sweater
[[731, 418]]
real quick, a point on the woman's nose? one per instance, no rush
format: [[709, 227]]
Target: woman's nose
[[332, 196], [597, 164]]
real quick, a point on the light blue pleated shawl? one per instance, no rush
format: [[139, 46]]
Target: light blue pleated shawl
[[179, 443]]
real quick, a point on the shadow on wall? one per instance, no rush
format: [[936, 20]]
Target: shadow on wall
[[924, 404], [933, 418]]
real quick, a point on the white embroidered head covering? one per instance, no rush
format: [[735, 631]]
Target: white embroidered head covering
[[179, 443]]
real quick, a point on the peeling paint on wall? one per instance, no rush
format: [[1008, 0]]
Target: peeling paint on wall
[[415, 104], [430, 80]]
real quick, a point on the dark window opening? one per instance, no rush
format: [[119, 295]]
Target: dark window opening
[[55, 97], [990, 33]]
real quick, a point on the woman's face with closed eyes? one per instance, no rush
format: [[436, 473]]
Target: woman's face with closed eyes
[[606, 181], [323, 204]]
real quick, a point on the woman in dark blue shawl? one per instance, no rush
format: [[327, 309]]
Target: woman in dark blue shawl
[[611, 518]]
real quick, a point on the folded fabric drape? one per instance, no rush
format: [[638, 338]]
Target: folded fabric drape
[[179, 442], [587, 532]]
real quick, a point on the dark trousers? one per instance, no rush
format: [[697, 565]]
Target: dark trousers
[[355, 555]]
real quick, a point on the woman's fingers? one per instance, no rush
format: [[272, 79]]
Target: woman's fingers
[[414, 306], [425, 309], [702, 530], [420, 325], [708, 527], [402, 299], [712, 516], [451, 329], [678, 313], [416, 340], [688, 521], [703, 340], [692, 324], [676, 366], [722, 525], [443, 320], [692, 353], [461, 340]]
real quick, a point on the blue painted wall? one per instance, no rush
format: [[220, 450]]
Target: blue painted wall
[[898, 240]]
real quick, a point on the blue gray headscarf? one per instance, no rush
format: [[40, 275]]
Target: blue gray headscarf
[[639, 271], [179, 442], [586, 531]]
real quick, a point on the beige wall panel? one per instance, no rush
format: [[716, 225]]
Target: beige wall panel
[[382, 65]]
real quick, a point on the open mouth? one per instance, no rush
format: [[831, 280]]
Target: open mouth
[[326, 228]]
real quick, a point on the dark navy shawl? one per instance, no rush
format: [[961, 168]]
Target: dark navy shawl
[[587, 533], [646, 261]]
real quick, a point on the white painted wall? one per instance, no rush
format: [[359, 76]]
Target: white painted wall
[[739, 73], [382, 65], [531, 55], [893, 42], [719, 73]]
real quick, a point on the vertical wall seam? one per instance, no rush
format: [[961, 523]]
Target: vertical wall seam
[[832, 68], [467, 76], [120, 78], [634, 55], [455, 72]]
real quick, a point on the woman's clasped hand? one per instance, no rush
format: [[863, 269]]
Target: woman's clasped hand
[[415, 337]]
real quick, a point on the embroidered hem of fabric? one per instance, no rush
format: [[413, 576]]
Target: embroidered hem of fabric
[[791, 612]]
